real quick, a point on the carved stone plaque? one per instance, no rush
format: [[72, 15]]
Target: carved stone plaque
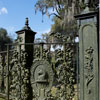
[[88, 61], [41, 78]]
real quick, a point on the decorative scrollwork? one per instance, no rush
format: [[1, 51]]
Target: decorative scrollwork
[[45, 54], [1, 64], [64, 71], [65, 74], [36, 53], [61, 61], [1, 72], [41, 79], [89, 67], [19, 76]]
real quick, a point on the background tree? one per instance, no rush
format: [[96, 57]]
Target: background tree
[[63, 11], [4, 39]]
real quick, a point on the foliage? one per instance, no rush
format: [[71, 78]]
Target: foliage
[[56, 5], [61, 8], [56, 27], [63, 11], [4, 39], [45, 38]]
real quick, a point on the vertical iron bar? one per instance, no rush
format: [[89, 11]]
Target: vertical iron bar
[[64, 55], [0, 73], [41, 50], [7, 72], [54, 60], [77, 53], [99, 47], [20, 67]]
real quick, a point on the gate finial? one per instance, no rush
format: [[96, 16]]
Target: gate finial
[[26, 22]]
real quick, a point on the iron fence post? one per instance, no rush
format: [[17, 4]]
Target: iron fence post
[[77, 50], [41, 50], [7, 72], [20, 68], [64, 52]]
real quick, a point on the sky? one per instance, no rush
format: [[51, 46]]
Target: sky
[[14, 12]]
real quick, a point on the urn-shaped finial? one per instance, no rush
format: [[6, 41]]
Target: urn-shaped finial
[[26, 22]]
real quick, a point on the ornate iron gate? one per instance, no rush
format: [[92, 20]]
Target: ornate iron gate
[[36, 72], [51, 75]]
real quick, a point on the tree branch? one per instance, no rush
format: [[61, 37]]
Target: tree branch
[[55, 15], [58, 4]]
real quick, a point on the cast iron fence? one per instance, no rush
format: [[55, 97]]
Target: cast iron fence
[[58, 55]]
